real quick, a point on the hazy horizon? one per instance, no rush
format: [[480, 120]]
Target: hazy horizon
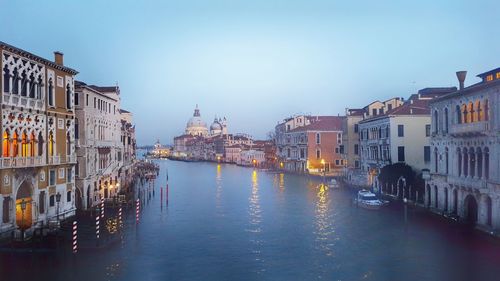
[[256, 62]]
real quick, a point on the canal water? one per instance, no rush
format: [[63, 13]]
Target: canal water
[[225, 222]]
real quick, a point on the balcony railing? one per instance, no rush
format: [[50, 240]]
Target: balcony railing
[[20, 101], [54, 160], [22, 162], [475, 128], [71, 158]]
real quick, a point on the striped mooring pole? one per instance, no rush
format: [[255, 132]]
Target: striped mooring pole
[[102, 208], [97, 225], [120, 222], [75, 236], [137, 208]]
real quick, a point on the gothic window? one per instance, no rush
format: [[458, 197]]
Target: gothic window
[[6, 143], [466, 162], [436, 160], [68, 144], [446, 120], [32, 86], [24, 144], [24, 84], [15, 88], [40, 144], [465, 113], [50, 95], [32, 144], [15, 144], [6, 79], [486, 111], [76, 129], [479, 110], [486, 163], [39, 88], [459, 114], [459, 162], [446, 160], [436, 124], [68, 97], [51, 144], [471, 113], [479, 162]]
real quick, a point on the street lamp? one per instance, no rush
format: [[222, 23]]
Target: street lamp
[[254, 163], [406, 209], [58, 199], [23, 207]]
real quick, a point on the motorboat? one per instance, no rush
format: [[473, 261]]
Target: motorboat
[[368, 200], [333, 184]]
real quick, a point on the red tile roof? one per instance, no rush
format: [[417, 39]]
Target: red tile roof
[[322, 123]]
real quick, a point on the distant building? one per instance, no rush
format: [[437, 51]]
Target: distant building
[[310, 144], [464, 177]]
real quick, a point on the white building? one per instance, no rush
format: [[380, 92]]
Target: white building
[[99, 149], [251, 157], [464, 177]]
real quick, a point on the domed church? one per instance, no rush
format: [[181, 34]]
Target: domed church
[[195, 126], [218, 127]]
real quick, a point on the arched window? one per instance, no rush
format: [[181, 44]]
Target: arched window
[[68, 144], [436, 124], [436, 160], [446, 157], [459, 162], [487, 163], [68, 97], [32, 86], [24, 84], [15, 88], [6, 143], [446, 120], [459, 114], [465, 113], [466, 162], [479, 156], [472, 113], [40, 144], [32, 144], [15, 144], [50, 94], [51, 144], [39, 87], [6, 79], [76, 129], [472, 159], [24, 144], [479, 110], [486, 111]]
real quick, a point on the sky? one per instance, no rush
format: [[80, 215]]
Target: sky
[[256, 62]]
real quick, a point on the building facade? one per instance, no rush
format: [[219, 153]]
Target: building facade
[[464, 178], [38, 145], [99, 147]]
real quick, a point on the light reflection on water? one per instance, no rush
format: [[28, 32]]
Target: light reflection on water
[[255, 221], [218, 191]]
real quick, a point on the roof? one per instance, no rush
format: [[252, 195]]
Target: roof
[[81, 85], [106, 89], [471, 89], [322, 123], [355, 111], [34, 57], [493, 71], [436, 91]]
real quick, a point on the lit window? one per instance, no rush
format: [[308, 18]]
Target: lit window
[[498, 75], [489, 78]]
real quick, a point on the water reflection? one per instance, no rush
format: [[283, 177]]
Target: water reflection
[[324, 224], [218, 189], [255, 216]]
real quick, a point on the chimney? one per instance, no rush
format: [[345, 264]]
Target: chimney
[[58, 58], [461, 78]]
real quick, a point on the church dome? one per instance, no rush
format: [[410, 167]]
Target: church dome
[[216, 126], [195, 125]]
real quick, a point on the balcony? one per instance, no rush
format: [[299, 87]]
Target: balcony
[[467, 182], [25, 102], [71, 159], [54, 160], [470, 129], [22, 162]]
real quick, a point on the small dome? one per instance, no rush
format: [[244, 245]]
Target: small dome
[[215, 126]]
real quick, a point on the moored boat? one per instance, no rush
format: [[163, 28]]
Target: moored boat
[[368, 200]]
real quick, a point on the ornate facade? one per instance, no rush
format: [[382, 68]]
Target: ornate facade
[[464, 178], [38, 144]]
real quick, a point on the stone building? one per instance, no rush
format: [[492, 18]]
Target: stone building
[[38, 144], [464, 176], [99, 147]]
